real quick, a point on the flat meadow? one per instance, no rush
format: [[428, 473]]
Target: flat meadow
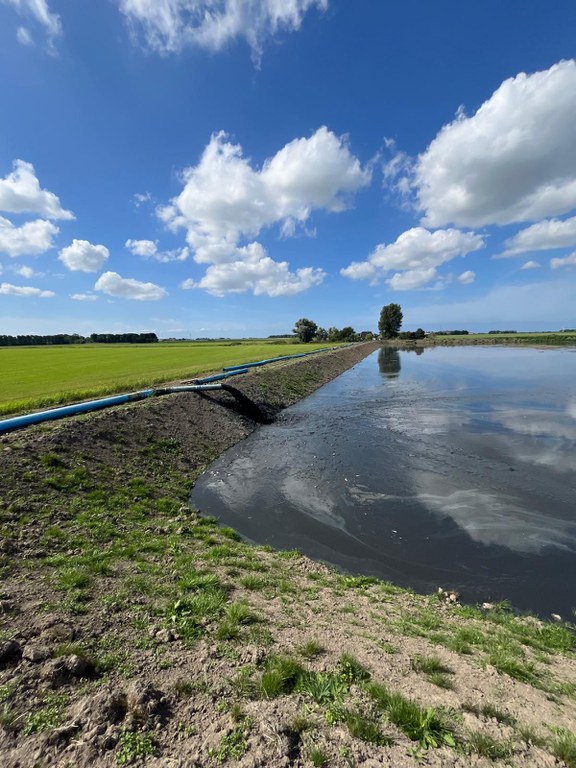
[[43, 376]]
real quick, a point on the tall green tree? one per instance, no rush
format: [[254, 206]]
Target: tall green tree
[[305, 330], [390, 321]]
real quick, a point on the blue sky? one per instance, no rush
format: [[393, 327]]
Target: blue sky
[[224, 167]]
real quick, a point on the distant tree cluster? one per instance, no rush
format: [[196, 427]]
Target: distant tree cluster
[[33, 340], [496, 332], [306, 330], [412, 335], [451, 333], [123, 338]]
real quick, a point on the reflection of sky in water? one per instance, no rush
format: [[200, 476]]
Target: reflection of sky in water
[[447, 460], [492, 518]]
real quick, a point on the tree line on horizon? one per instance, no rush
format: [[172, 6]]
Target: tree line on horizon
[[33, 340]]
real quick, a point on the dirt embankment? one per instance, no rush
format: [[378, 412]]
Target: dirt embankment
[[133, 631]]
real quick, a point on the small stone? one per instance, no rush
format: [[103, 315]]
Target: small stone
[[36, 653], [487, 606], [556, 617], [78, 667], [165, 636], [9, 651]]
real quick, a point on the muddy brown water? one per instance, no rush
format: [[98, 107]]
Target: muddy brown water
[[446, 467]]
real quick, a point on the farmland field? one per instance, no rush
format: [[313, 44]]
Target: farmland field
[[35, 377]]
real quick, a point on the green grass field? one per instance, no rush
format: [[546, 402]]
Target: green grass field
[[38, 377], [554, 339]]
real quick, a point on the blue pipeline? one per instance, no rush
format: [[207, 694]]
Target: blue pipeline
[[262, 362], [17, 422], [277, 359], [236, 371], [70, 410]]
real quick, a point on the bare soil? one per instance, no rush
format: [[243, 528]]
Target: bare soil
[[135, 631]]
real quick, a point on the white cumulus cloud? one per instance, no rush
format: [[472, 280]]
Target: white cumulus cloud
[[31, 239], [513, 160], [567, 261], [25, 271], [412, 279], [260, 274], [543, 236], [226, 200], [113, 284], [467, 277], [20, 192], [530, 265], [82, 256], [83, 296], [24, 290], [148, 249], [168, 26], [417, 252], [40, 11]]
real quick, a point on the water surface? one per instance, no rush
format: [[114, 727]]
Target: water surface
[[454, 467]]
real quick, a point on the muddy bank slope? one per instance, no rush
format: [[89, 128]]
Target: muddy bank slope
[[132, 631]]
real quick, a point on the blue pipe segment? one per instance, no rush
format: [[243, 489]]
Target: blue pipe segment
[[219, 376], [263, 362], [71, 410], [29, 419], [277, 359]]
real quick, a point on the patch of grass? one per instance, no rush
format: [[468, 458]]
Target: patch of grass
[[6, 691], [74, 578], [236, 615], [253, 582], [488, 710], [244, 682], [358, 582], [46, 717], [233, 744], [311, 648], [530, 735], [441, 680], [133, 745], [388, 647], [485, 745], [426, 726], [8, 716], [318, 757], [428, 665], [363, 727], [563, 746], [280, 676], [435, 670], [191, 614], [325, 688], [351, 670], [505, 663]]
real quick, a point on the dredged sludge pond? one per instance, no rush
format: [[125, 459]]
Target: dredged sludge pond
[[451, 467]]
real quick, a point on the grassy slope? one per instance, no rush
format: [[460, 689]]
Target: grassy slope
[[43, 376], [274, 654]]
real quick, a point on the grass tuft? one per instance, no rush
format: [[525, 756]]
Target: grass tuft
[[425, 726]]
